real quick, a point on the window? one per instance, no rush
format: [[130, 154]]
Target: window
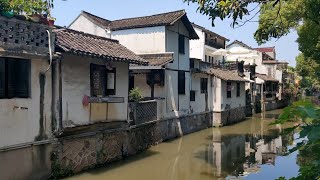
[[181, 44], [102, 80], [238, 89], [192, 95], [191, 63], [204, 85], [14, 78], [181, 82], [229, 89], [205, 58]]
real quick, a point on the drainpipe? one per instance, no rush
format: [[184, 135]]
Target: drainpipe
[[57, 94]]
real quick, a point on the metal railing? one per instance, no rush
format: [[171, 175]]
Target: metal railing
[[142, 112]]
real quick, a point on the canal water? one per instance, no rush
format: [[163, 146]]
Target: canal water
[[252, 149]]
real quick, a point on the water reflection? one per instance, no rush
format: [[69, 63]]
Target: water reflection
[[231, 152], [243, 153]]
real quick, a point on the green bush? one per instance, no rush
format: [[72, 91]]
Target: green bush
[[135, 95]]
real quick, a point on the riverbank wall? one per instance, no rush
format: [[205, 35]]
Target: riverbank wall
[[272, 105], [28, 161], [77, 152]]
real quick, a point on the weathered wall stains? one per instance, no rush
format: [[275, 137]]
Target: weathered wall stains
[[229, 116], [81, 152], [32, 162], [42, 133]]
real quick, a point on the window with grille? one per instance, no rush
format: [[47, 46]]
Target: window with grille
[[15, 78], [102, 80], [181, 44], [181, 82], [238, 89], [192, 95], [229, 88], [204, 85]]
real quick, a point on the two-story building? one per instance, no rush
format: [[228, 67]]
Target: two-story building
[[163, 40], [216, 86]]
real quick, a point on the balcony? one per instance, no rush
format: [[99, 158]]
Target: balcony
[[214, 44]]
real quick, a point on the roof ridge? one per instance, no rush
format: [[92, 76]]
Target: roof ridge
[[96, 16], [87, 34], [182, 10], [201, 27]]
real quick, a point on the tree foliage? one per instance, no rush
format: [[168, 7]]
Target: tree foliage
[[309, 70], [308, 116], [277, 18]]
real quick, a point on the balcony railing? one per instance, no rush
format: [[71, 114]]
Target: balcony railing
[[214, 44]]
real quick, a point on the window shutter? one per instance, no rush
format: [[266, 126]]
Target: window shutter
[[181, 44], [2, 77], [181, 82], [22, 69], [98, 80], [11, 78]]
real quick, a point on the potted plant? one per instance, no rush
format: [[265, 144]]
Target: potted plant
[[135, 95]]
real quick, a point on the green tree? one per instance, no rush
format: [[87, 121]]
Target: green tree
[[309, 70], [276, 19]]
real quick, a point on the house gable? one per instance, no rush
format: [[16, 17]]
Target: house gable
[[85, 24]]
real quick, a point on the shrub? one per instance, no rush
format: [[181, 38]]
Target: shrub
[[135, 95]]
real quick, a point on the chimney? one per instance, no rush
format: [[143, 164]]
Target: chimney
[[240, 68]]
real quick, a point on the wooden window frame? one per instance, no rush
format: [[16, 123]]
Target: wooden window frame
[[104, 72], [204, 85], [15, 78], [229, 91], [181, 83], [238, 89]]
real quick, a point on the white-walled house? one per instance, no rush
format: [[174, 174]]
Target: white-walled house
[[93, 78], [167, 33], [210, 80], [207, 43], [269, 83]]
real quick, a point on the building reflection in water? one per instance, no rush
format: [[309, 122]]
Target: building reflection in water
[[241, 152]]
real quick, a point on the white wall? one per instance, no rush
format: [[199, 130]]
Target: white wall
[[23, 125], [76, 84], [199, 105], [234, 101], [217, 94], [197, 45], [181, 61], [85, 25], [142, 40]]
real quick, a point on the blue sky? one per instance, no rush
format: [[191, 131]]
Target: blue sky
[[67, 11]]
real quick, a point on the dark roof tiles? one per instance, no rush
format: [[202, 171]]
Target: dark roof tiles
[[158, 59], [164, 19], [76, 42], [266, 77], [227, 75]]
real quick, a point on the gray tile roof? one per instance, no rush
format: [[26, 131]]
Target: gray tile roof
[[76, 42], [157, 59], [164, 19], [266, 77], [227, 75]]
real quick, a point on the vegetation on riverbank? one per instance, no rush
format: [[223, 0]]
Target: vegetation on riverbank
[[307, 118]]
